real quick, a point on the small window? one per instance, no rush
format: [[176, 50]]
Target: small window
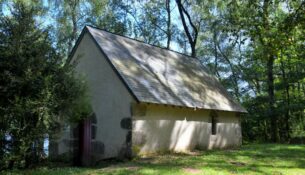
[[213, 122], [93, 131], [214, 125]]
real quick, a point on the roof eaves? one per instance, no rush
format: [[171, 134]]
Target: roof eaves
[[243, 111]]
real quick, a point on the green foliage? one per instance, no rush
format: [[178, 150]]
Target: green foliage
[[71, 16], [254, 48], [37, 93], [250, 159], [274, 33]]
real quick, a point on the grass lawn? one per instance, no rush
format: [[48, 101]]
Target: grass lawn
[[249, 159]]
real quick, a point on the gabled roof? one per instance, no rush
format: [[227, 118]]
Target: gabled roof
[[160, 76]]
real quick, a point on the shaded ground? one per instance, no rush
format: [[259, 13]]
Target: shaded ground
[[249, 159]]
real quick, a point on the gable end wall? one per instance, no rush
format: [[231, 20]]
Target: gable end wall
[[110, 100]]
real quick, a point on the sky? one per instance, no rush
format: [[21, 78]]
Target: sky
[[49, 20]]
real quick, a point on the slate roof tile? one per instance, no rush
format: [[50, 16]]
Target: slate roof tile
[[160, 76]]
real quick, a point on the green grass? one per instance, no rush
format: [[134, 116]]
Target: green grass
[[249, 159]]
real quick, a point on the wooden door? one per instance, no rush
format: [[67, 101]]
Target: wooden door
[[85, 142]]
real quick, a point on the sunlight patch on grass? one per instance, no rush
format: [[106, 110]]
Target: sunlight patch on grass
[[249, 159]]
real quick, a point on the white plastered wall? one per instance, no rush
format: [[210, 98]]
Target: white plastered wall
[[162, 128], [110, 98]]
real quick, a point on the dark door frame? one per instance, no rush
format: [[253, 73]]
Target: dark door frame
[[85, 142]]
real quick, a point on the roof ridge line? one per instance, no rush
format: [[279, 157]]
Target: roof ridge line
[[142, 41]]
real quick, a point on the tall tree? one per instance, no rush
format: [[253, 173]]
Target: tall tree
[[190, 28], [109, 15], [262, 22], [169, 23], [69, 17], [152, 21], [36, 92]]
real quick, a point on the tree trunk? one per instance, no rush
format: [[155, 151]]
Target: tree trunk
[[192, 38], [235, 78], [193, 50], [216, 56], [73, 7], [168, 31], [273, 116], [287, 99]]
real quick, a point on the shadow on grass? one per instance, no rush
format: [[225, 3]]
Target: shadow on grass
[[256, 159], [249, 159]]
